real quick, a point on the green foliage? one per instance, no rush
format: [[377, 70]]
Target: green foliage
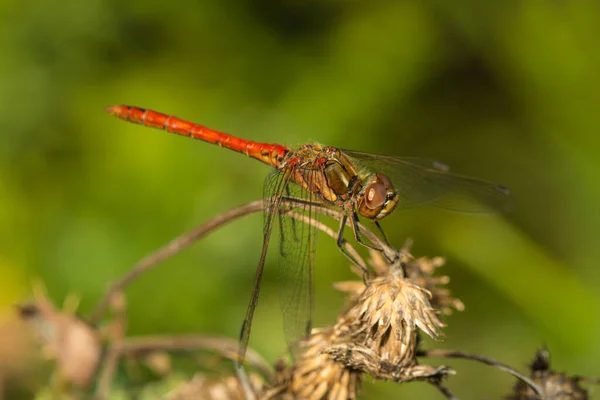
[[503, 91]]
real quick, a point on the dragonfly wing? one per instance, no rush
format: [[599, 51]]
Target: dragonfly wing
[[274, 186], [425, 182], [297, 262]]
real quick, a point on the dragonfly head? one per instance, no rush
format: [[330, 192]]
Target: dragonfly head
[[378, 199]]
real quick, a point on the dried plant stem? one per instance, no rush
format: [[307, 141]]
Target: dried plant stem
[[444, 390], [589, 380], [105, 378], [226, 347], [169, 250], [442, 353], [185, 240]]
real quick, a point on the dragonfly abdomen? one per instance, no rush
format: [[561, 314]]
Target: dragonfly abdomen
[[271, 154]]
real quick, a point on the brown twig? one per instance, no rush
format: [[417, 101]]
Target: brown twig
[[444, 390], [185, 240], [169, 250], [134, 346], [121, 347], [226, 347], [109, 367], [442, 353], [591, 380]]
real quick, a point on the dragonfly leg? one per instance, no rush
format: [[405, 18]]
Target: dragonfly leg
[[382, 250], [341, 242], [356, 232], [383, 235], [387, 251]]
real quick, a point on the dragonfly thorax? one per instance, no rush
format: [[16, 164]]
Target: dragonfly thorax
[[325, 172], [377, 198], [341, 180], [334, 177]]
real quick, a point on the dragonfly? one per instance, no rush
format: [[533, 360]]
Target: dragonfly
[[355, 183]]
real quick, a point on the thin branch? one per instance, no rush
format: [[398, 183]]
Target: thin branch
[[135, 346], [186, 239], [109, 368], [226, 347], [169, 250], [590, 380], [442, 353], [444, 390]]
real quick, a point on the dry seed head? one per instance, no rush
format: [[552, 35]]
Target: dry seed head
[[315, 375], [361, 358], [67, 339], [158, 362], [554, 385], [352, 288], [17, 354], [386, 317], [378, 335], [221, 388], [421, 270]]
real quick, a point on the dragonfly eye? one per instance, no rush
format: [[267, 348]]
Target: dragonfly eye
[[375, 195], [379, 198]]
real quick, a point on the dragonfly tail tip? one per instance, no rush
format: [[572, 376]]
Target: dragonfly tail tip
[[114, 110]]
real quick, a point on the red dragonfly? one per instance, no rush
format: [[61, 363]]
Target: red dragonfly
[[355, 183]]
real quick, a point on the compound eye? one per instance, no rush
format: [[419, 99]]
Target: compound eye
[[375, 195], [384, 180]]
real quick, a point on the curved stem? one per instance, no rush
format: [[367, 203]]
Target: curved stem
[[169, 250], [226, 347], [442, 353], [444, 390], [186, 239]]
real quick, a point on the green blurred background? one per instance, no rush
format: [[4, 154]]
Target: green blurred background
[[505, 91]]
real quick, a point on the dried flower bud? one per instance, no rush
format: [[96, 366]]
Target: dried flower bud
[[17, 355], [386, 317], [159, 362], [362, 358], [118, 302], [67, 339], [315, 375], [377, 334], [421, 270], [554, 385], [222, 388]]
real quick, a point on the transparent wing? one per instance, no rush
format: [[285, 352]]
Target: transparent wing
[[296, 262], [274, 188], [425, 182]]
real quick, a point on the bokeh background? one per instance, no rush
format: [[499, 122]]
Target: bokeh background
[[506, 91]]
